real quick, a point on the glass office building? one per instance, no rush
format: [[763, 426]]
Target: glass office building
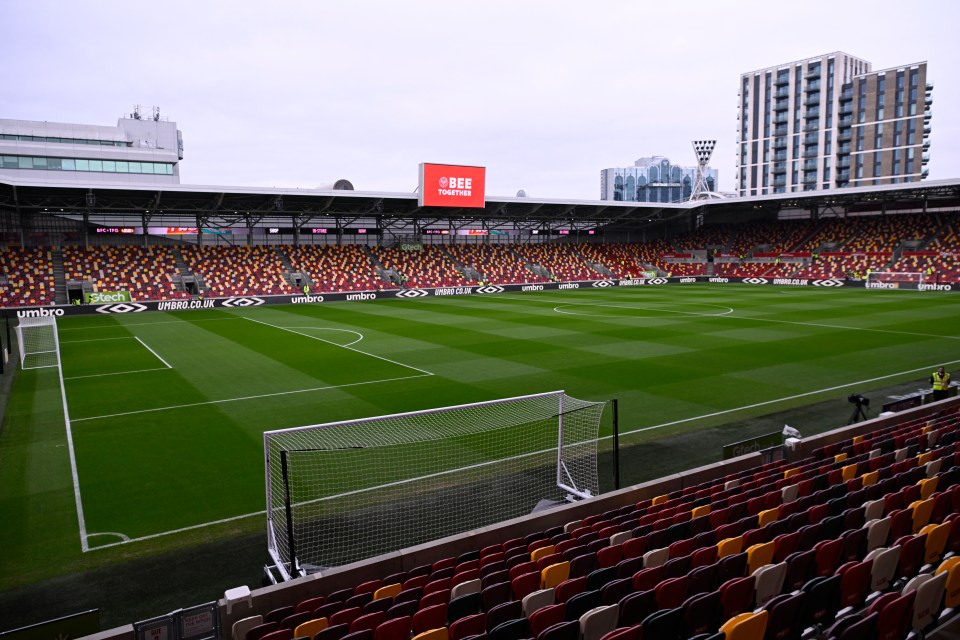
[[652, 179]]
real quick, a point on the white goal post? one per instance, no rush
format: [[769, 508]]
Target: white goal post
[[342, 492], [877, 279], [37, 342]]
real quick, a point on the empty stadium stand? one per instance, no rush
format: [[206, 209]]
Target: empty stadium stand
[[850, 247], [26, 278], [857, 532]]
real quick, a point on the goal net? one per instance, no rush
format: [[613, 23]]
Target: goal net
[[39, 345], [342, 492], [893, 279]]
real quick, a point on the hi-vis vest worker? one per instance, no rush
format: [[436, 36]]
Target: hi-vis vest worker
[[940, 380], [941, 384]]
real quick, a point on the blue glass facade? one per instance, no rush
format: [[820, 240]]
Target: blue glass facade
[[652, 180]]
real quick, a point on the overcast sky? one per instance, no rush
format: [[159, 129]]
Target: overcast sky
[[544, 94]]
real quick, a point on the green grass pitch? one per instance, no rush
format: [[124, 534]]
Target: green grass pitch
[[167, 410]]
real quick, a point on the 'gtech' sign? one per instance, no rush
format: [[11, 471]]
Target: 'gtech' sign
[[105, 297]]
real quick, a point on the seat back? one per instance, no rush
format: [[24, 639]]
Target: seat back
[[565, 630], [746, 626], [736, 595], [666, 624], [878, 532], [431, 617], [471, 625], [635, 607], [769, 582], [599, 621], [926, 606], [440, 633], [569, 588], [537, 600], [784, 612], [545, 617], [937, 535], [864, 629], [463, 606], [581, 603], [884, 567], [554, 574], [896, 617], [951, 567], [702, 613], [510, 630], [671, 593], [396, 629]]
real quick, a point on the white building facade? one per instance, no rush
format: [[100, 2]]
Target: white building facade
[[138, 150]]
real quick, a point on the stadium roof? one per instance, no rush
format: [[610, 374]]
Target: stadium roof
[[213, 206]]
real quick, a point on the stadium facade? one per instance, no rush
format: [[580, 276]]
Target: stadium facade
[[140, 149], [831, 122], [652, 179]]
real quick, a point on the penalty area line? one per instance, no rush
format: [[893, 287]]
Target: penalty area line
[[151, 536], [255, 397], [116, 373], [153, 352]]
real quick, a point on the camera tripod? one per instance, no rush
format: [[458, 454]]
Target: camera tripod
[[859, 413]]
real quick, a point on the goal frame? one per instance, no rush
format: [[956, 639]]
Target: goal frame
[[291, 566], [38, 322], [913, 278]]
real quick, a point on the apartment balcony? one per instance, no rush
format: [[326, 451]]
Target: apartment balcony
[[811, 152], [782, 130], [926, 129], [812, 112], [780, 143], [927, 115], [813, 74], [780, 157], [782, 92], [924, 174], [780, 182], [843, 176], [810, 178], [779, 167], [782, 118], [781, 105], [810, 165], [813, 86], [924, 158], [812, 100], [781, 81], [843, 162], [811, 138], [846, 121], [811, 126], [845, 136], [926, 145], [845, 108], [846, 95], [843, 149]]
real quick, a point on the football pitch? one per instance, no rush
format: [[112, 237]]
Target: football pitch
[[156, 432]]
